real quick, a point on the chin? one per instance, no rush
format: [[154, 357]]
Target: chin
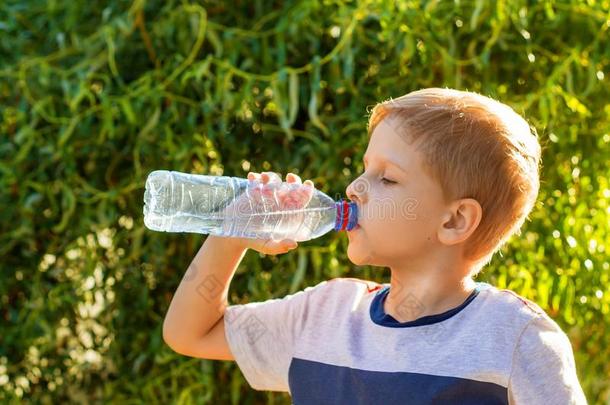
[[358, 258]]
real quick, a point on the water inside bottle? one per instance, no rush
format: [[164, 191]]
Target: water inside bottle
[[233, 206]]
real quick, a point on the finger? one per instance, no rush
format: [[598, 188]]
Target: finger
[[303, 195], [297, 199], [293, 181], [274, 247], [270, 181], [285, 245], [255, 187], [290, 243], [270, 177], [293, 178], [308, 190], [253, 176], [297, 196]]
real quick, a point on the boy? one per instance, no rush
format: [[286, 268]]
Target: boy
[[449, 177]]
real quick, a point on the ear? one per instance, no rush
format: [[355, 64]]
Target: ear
[[460, 221]]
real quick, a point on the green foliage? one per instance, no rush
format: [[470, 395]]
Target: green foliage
[[95, 96]]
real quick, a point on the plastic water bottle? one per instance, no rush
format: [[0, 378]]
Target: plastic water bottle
[[239, 207]]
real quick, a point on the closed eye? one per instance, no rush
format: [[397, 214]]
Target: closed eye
[[385, 181]]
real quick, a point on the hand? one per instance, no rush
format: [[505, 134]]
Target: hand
[[262, 193]]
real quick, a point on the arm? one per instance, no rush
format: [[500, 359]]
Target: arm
[[201, 298], [544, 371], [194, 324]]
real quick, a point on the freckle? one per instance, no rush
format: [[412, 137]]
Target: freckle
[[428, 238]]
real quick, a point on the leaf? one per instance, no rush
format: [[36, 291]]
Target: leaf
[[277, 86], [67, 132], [313, 101], [25, 149], [68, 204], [543, 285], [294, 97], [474, 19], [575, 105], [108, 33], [151, 123], [568, 307], [107, 122], [299, 274], [127, 110], [543, 107]]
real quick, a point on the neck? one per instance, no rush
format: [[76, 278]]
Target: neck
[[417, 291]]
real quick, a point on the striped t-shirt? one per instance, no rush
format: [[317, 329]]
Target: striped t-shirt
[[333, 343]]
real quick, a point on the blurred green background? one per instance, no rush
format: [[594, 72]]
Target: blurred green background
[[95, 95]]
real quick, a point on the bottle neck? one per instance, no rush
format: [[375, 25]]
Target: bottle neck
[[347, 215]]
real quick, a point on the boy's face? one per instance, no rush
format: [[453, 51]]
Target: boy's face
[[398, 221]]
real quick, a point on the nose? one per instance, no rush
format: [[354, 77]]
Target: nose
[[356, 190]]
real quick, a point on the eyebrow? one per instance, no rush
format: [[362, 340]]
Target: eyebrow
[[391, 162]]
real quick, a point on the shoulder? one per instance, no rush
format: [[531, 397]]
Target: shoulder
[[543, 330], [509, 313], [367, 286], [534, 319], [337, 292], [523, 303], [510, 305]]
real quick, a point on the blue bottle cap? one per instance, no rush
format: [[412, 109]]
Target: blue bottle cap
[[347, 215]]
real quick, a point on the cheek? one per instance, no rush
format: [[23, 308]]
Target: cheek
[[392, 227], [402, 218], [395, 209], [381, 207], [387, 222], [420, 221]]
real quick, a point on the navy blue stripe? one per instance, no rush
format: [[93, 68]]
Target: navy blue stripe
[[317, 383], [379, 316]]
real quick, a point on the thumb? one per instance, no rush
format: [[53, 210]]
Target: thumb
[[289, 243], [274, 247]]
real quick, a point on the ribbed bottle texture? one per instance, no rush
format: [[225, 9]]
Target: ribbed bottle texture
[[234, 206]]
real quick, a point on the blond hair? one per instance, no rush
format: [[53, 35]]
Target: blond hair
[[474, 147]]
